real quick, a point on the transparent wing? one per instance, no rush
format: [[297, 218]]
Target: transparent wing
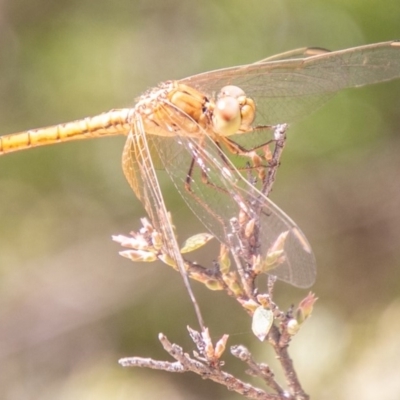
[[287, 89], [217, 192], [139, 171], [303, 52], [137, 167]]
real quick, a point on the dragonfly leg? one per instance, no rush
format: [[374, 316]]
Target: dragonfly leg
[[204, 180]]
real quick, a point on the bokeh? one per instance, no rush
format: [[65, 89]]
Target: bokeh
[[70, 306]]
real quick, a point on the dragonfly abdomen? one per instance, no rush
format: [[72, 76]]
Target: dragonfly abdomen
[[114, 122]]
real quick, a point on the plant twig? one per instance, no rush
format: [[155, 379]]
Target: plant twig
[[185, 363], [244, 245]]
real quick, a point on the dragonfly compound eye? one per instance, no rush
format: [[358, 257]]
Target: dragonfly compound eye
[[227, 117], [231, 91]]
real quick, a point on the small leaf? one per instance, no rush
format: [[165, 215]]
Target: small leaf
[[195, 242], [224, 260], [213, 284], [166, 259], [262, 322]]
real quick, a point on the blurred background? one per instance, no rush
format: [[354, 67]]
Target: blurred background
[[70, 306]]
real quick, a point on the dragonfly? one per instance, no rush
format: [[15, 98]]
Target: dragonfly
[[202, 128]]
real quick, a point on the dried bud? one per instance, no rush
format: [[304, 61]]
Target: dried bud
[[156, 239], [257, 264], [264, 300], [220, 346], [146, 225], [292, 327], [276, 253], [250, 305], [249, 228], [243, 217], [305, 307], [279, 243], [231, 281], [139, 255], [208, 346], [137, 241]]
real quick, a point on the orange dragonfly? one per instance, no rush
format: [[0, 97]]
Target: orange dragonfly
[[202, 127]]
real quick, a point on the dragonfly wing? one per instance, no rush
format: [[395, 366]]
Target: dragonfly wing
[[134, 160], [217, 192], [303, 52], [288, 89], [139, 170]]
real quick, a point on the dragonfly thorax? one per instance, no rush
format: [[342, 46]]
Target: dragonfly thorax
[[174, 108]]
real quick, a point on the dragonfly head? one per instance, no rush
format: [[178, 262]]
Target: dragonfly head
[[233, 112]]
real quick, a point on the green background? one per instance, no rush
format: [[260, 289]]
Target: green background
[[70, 306]]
